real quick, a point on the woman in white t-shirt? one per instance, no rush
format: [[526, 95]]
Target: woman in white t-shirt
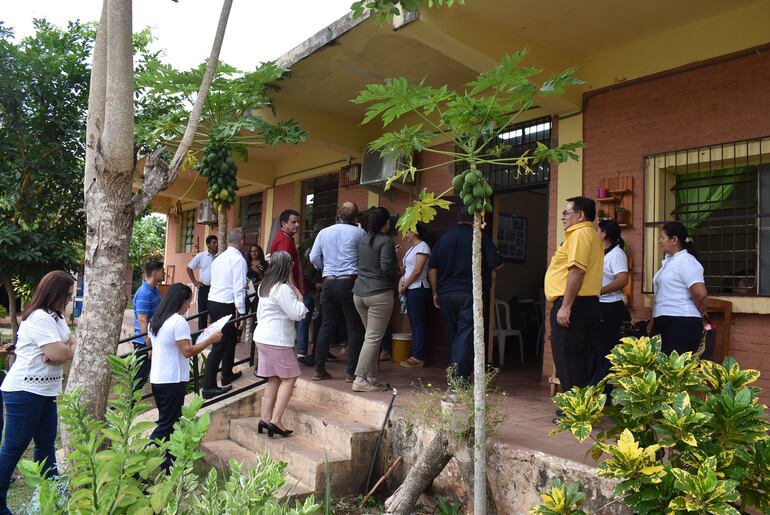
[[44, 343], [172, 349], [680, 293], [612, 309], [415, 287], [280, 306]]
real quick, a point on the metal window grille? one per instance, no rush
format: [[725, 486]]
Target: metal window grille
[[520, 138], [187, 231], [319, 202], [251, 210], [721, 193]]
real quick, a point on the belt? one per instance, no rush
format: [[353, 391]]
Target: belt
[[339, 277], [578, 297]]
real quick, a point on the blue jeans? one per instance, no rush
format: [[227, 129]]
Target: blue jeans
[[303, 327], [28, 417], [417, 300]]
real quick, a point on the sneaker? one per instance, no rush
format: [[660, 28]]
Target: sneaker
[[321, 376], [308, 361], [412, 363], [385, 356], [367, 387]]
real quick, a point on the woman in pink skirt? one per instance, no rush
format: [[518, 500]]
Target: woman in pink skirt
[[280, 306]]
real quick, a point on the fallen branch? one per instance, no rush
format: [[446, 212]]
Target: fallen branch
[[383, 478]]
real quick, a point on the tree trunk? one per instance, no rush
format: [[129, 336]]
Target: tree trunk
[[109, 213], [11, 308], [479, 378], [110, 207], [222, 229], [462, 455], [430, 464]]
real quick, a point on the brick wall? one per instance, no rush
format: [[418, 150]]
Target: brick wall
[[284, 198], [710, 104]]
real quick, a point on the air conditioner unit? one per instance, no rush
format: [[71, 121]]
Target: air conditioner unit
[[206, 212], [377, 169]]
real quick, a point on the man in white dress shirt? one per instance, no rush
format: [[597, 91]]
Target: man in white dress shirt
[[226, 297], [202, 261]]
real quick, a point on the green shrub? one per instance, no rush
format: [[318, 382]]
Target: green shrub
[[684, 435], [113, 468]]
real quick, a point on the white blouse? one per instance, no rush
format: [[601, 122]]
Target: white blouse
[[410, 261], [276, 315], [29, 372], [672, 286], [168, 364], [615, 262]]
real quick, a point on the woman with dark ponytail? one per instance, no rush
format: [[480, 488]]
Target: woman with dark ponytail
[[612, 309], [373, 295], [680, 292]]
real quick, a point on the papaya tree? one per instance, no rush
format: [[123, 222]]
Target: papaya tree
[[475, 120], [229, 123]]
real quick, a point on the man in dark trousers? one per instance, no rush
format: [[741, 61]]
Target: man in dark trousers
[[451, 279], [573, 282], [202, 261], [227, 297]]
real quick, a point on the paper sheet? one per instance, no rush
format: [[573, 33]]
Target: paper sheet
[[214, 327]]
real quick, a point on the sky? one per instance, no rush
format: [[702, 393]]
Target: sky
[[258, 30]]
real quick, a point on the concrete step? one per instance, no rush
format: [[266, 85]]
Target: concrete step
[[341, 431], [304, 455], [367, 408], [218, 453]]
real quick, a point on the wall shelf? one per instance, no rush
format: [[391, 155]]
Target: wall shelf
[[621, 196]]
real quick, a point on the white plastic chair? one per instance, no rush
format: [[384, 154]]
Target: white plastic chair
[[503, 329]]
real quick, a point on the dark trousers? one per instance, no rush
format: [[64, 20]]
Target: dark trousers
[[681, 334], [169, 398], [573, 346], [303, 327], [28, 417], [222, 352], [143, 357], [611, 315], [457, 312], [203, 300], [417, 300], [336, 304]]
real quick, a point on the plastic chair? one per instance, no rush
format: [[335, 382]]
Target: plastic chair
[[503, 329], [540, 313]]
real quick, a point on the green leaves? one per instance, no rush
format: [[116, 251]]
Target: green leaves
[[382, 11], [396, 97], [561, 499], [423, 210], [690, 436]]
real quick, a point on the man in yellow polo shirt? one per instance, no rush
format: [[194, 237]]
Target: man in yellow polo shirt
[[573, 282]]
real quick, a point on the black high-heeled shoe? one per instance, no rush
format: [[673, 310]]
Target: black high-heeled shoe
[[273, 429], [262, 426]]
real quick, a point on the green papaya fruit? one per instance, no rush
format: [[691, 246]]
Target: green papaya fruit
[[468, 199], [457, 182], [478, 191], [471, 179]]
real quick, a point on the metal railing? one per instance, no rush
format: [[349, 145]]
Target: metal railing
[[195, 363]]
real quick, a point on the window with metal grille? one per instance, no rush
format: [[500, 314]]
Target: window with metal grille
[[319, 202], [721, 193], [186, 231], [520, 138]]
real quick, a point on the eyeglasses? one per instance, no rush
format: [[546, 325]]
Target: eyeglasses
[[567, 213]]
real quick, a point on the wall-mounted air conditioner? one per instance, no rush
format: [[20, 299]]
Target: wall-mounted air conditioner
[[377, 169], [206, 212]]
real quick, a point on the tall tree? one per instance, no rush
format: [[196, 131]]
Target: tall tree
[[109, 202], [44, 78]]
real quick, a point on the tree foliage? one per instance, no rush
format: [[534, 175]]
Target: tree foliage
[[43, 101], [381, 11], [148, 240], [685, 435]]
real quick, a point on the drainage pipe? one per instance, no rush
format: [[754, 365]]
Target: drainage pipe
[[379, 440]]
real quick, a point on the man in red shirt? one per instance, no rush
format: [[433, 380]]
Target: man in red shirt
[[284, 240]]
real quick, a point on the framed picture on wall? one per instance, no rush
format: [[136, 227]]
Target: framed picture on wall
[[512, 237]]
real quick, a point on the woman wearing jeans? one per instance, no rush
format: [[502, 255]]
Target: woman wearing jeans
[[414, 285], [172, 349], [44, 343], [373, 295]]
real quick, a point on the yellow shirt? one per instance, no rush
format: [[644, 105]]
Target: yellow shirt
[[583, 249]]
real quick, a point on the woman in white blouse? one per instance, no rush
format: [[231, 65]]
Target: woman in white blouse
[[680, 293], [280, 306], [172, 349], [415, 287], [612, 309], [44, 343]]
